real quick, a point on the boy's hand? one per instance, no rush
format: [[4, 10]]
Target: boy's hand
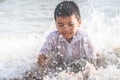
[[98, 55], [41, 60], [88, 70]]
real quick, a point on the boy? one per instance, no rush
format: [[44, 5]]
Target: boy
[[68, 42]]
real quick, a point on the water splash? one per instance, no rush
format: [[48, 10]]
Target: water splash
[[19, 51]]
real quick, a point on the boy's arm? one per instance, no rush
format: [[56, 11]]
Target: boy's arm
[[47, 47], [89, 50], [41, 60]]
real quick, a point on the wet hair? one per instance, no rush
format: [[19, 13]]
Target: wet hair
[[66, 9]]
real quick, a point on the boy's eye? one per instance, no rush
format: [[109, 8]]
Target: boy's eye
[[60, 25], [71, 24]]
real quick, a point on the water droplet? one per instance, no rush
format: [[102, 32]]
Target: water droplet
[[59, 13], [61, 4], [50, 41], [60, 7], [58, 47]]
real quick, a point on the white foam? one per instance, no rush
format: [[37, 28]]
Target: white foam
[[18, 52], [110, 73]]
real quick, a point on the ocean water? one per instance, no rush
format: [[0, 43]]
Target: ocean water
[[24, 25]]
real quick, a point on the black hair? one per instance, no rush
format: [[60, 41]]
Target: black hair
[[66, 9]]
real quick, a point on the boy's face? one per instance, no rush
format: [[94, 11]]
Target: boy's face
[[68, 26]]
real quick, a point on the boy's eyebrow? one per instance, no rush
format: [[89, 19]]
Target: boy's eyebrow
[[63, 23], [59, 23]]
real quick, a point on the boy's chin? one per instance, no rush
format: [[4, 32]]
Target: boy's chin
[[69, 39]]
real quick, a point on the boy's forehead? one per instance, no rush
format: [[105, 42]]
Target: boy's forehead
[[69, 18]]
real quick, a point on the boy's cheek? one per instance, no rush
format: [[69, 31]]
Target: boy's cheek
[[60, 31]]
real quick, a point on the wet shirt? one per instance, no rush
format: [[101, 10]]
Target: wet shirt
[[79, 48]]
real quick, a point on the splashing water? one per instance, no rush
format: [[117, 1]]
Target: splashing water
[[24, 27]]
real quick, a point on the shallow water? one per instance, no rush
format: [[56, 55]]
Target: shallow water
[[24, 24]]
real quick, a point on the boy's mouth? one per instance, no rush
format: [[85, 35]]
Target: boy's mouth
[[67, 34]]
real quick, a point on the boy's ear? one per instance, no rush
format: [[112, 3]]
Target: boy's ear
[[79, 22]]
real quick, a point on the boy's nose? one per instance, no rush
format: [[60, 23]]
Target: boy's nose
[[65, 25], [66, 28]]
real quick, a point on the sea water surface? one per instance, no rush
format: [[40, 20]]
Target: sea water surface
[[24, 25]]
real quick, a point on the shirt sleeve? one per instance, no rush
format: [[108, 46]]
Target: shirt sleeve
[[89, 49], [48, 45]]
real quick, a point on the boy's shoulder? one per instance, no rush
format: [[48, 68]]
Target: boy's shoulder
[[82, 33], [54, 34]]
